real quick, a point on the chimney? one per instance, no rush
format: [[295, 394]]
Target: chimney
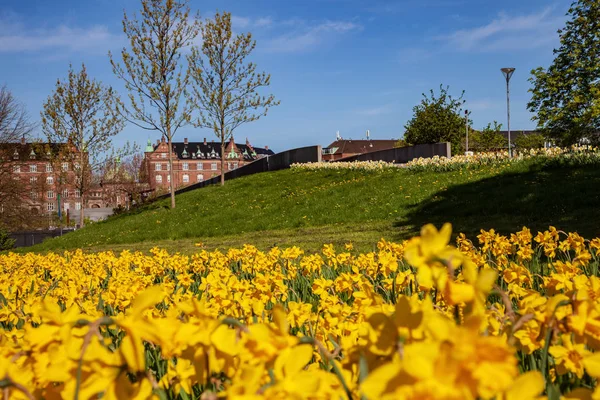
[[23, 140], [157, 142], [205, 141], [185, 141], [266, 147], [162, 139]]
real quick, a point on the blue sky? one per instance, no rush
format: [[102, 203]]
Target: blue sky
[[347, 65]]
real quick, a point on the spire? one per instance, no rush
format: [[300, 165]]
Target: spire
[[149, 148]]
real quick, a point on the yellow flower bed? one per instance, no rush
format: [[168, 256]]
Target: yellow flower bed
[[509, 318]]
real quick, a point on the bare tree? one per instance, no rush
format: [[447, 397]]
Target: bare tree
[[84, 114], [15, 126], [124, 177], [152, 71], [224, 86]]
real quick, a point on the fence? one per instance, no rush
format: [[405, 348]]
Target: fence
[[275, 162], [30, 238], [402, 155]]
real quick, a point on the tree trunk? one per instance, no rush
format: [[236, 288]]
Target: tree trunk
[[171, 172], [81, 186], [222, 158]]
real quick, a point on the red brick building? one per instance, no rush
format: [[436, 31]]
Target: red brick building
[[44, 180], [195, 161]]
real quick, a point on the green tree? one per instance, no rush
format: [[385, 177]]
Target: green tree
[[225, 86], [489, 138], [83, 114], [6, 241], [437, 119], [566, 96], [153, 72], [531, 141]]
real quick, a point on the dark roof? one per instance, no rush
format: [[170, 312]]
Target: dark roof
[[347, 146], [214, 148], [29, 151]]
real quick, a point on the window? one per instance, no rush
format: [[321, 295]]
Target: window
[[158, 179], [168, 178], [48, 167], [186, 178], [65, 193], [168, 167], [33, 179], [213, 166], [78, 206], [17, 168], [50, 206], [199, 177], [199, 166], [33, 195], [235, 165], [157, 167], [50, 180], [33, 168], [77, 167], [66, 206], [50, 194], [77, 193], [163, 155], [229, 166], [185, 166], [65, 166]]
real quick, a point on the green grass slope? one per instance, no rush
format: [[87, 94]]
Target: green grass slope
[[309, 208]]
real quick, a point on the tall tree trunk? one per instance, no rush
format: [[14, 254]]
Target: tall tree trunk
[[81, 185], [171, 172], [222, 157]]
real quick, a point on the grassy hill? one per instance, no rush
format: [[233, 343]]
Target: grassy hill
[[309, 208]]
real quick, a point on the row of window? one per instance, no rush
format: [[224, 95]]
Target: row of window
[[52, 206], [50, 194], [199, 166], [34, 168], [186, 178]]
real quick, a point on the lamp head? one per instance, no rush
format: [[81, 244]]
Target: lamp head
[[507, 72]]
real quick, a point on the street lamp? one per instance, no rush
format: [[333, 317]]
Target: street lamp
[[467, 132], [508, 72]]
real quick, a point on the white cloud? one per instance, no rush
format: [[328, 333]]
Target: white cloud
[[15, 37], [305, 36], [508, 33]]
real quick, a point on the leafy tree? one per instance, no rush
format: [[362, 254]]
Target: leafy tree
[[489, 138], [401, 143], [566, 96], [437, 119], [152, 70], [531, 141], [84, 114], [225, 86], [6, 242]]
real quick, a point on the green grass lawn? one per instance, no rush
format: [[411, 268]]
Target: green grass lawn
[[310, 208]]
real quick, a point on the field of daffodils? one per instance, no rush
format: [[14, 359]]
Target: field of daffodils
[[507, 317]]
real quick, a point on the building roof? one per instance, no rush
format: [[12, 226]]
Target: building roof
[[21, 151], [212, 150], [349, 146]]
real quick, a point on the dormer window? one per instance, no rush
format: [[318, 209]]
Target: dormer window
[[16, 155], [48, 167], [184, 154], [32, 155]]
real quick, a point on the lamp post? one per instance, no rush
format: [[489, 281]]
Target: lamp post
[[508, 72], [467, 132]]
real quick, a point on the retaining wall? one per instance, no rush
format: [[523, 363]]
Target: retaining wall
[[275, 162], [402, 155], [30, 238]]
